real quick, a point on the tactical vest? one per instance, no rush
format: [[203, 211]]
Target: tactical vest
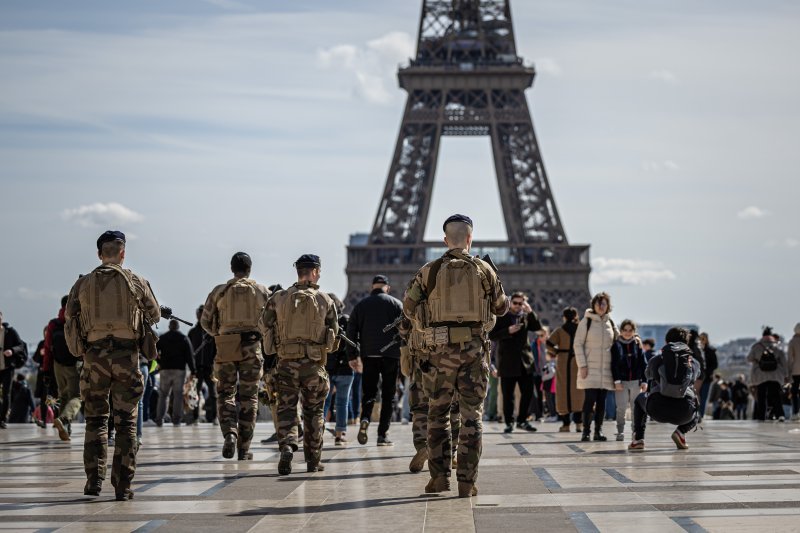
[[301, 324], [240, 306], [458, 292], [108, 305]]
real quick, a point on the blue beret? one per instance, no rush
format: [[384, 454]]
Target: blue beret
[[380, 278], [308, 261], [109, 236], [457, 218]]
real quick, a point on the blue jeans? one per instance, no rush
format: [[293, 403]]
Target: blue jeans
[[704, 390], [342, 385], [355, 398], [145, 368]]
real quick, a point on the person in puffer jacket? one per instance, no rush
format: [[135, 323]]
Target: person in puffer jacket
[[594, 337]]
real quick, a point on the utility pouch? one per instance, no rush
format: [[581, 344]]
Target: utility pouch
[[436, 336], [331, 340], [229, 348], [268, 342], [460, 335], [147, 343], [406, 361]]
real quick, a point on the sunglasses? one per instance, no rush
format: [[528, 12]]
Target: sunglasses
[[513, 302]]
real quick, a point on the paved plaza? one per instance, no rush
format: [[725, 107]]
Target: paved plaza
[[737, 476]]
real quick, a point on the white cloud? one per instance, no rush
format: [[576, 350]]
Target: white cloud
[[373, 66], [607, 271], [548, 65], [752, 212], [227, 4], [38, 294], [791, 243], [658, 166], [664, 75], [99, 214]]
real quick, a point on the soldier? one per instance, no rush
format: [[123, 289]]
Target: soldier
[[453, 301], [413, 360], [303, 329], [231, 314], [107, 315]]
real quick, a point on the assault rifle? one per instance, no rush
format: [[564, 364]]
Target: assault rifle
[[487, 259], [397, 339], [353, 345], [166, 312]]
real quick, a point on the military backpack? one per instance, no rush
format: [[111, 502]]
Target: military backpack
[[301, 324], [240, 306], [109, 307], [458, 292]]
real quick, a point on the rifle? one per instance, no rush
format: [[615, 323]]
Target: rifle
[[487, 259], [166, 312], [353, 345], [394, 324]]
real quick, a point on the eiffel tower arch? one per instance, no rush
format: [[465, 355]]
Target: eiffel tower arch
[[467, 79]]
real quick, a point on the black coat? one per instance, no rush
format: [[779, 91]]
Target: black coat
[[14, 343], [367, 321], [338, 363], [175, 351], [712, 364], [203, 346], [514, 355]]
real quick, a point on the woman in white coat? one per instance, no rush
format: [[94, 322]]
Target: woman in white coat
[[593, 340]]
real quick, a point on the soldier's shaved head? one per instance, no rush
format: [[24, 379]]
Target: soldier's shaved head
[[458, 234], [111, 249]]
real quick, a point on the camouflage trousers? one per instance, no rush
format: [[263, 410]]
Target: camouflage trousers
[[111, 369], [68, 379], [466, 373], [246, 374], [418, 405], [306, 381]]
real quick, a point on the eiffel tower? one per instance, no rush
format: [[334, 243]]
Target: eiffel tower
[[467, 79]]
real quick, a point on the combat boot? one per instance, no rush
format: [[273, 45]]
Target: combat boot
[[314, 466], [418, 461], [285, 462], [437, 484], [124, 495], [62, 428], [467, 489], [93, 487], [229, 448], [245, 455]]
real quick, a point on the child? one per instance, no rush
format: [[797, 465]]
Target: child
[[627, 369]]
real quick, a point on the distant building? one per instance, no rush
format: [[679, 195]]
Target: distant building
[[659, 331]]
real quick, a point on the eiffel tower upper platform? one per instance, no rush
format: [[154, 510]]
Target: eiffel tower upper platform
[[467, 79]]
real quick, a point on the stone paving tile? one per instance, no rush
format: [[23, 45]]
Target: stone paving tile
[[737, 476]]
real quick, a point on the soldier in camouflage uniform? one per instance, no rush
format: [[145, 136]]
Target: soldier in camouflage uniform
[[418, 399], [232, 314], [105, 316], [303, 329], [453, 301]]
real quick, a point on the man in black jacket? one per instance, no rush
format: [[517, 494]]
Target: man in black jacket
[[14, 355], [515, 359], [367, 321], [174, 353], [204, 350]]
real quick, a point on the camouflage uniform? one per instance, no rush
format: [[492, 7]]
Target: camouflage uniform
[[418, 405], [245, 372], [111, 366], [456, 368], [300, 378]]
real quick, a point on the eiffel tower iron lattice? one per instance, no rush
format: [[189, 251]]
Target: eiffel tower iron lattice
[[468, 80]]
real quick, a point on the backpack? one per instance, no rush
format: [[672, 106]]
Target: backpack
[[768, 362], [676, 373], [302, 317], [240, 306], [108, 305], [58, 343], [457, 291]]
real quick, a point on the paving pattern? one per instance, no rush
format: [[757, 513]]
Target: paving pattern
[[737, 476]]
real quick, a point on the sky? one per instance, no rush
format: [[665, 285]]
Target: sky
[[200, 128]]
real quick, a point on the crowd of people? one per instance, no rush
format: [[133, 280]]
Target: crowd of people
[[435, 363]]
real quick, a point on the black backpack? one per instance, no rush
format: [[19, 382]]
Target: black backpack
[[768, 362], [58, 343], [676, 373]]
